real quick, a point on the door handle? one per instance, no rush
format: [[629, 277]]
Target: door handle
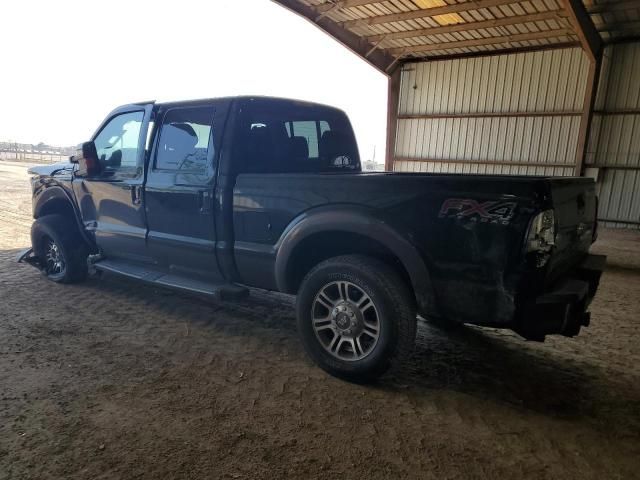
[[204, 201], [136, 194]]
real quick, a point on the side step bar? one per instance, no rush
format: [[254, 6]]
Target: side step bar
[[220, 291]]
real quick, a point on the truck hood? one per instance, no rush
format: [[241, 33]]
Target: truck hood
[[50, 170]]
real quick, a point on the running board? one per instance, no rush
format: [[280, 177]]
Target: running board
[[220, 291]]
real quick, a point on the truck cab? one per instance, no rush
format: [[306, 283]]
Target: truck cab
[[151, 199]]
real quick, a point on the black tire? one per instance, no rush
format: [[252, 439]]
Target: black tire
[[63, 233], [393, 306]]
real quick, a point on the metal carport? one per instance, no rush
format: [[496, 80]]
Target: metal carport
[[500, 86]]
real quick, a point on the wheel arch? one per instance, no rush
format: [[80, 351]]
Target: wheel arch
[[334, 231], [56, 200], [53, 200]]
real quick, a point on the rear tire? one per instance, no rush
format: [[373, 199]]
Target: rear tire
[[356, 317], [62, 251]]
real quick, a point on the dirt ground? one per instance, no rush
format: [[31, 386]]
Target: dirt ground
[[111, 379]]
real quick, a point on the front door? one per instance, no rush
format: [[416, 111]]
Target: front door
[[179, 192], [112, 203]]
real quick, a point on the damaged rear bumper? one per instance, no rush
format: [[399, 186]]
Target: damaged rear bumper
[[563, 310]]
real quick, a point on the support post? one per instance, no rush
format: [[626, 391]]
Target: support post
[[586, 118], [585, 29], [591, 43], [393, 99]]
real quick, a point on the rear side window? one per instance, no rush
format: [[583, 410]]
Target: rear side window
[[279, 137], [307, 129], [185, 139]]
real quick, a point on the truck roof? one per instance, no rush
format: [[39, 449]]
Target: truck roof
[[239, 97]]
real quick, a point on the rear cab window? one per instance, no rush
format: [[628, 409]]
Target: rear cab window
[[280, 137]]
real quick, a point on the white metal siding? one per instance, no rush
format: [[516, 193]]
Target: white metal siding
[[549, 82], [546, 81], [614, 146], [619, 196], [490, 139]]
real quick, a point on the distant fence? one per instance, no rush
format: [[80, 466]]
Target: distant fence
[[32, 157]]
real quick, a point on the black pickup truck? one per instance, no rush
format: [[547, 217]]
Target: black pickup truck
[[214, 196]]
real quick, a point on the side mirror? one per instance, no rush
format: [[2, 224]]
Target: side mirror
[[87, 159]]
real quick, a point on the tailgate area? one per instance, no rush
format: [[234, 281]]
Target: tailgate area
[[574, 203], [563, 309]]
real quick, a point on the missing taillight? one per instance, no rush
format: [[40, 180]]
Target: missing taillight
[[542, 234]]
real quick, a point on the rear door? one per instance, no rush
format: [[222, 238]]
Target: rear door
[[179, 192], [275, 139], [111, 203]]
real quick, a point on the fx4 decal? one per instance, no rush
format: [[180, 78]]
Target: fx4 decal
[[486, 212]]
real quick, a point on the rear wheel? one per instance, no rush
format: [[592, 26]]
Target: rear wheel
[[356, 317], [60, 248]]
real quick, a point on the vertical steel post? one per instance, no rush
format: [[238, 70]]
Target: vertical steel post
[[393, 99], [592, 45], [586, 119]]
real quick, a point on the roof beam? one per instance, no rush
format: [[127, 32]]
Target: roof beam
[[609, 6], [427, 12], [585, 29], [620, 26], [592, 9], [494, 52], [381, 60], [460, 27], [476, 42], [629, 38], [343, 4]]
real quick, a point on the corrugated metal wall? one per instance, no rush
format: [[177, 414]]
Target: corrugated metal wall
[[520, 114], [511, 114], [614, 146]]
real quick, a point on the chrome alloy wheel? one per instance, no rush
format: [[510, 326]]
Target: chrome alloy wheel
[[345, 321], [54, 260]]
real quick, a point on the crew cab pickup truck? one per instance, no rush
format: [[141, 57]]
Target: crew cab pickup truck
[[214, 196]]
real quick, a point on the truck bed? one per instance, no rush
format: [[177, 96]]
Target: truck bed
[[469, 229]]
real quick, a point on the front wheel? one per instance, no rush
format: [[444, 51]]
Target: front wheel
[[60, 248], [356, 317]]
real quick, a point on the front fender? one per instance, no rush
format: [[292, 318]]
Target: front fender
[[49, 192], [360, 221], [45, 194]]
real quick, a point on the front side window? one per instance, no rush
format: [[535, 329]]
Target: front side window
[[185, 141], [117, 143]]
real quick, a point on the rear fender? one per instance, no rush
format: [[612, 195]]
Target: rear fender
[[360, 221]]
